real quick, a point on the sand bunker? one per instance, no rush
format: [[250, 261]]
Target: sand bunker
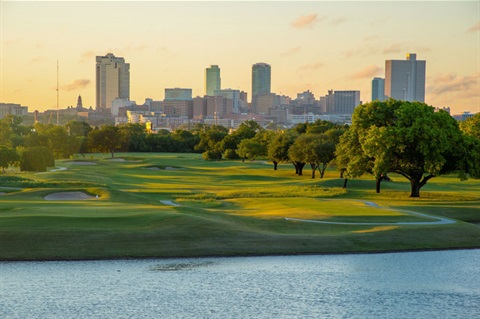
[[169, 168], [68, 196], [117, 160], [83, 163], [152, 168]]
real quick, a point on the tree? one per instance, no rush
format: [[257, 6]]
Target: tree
[[250, 149], [210, 143], [78, 128], [278, 147], [408, 138], [297, 153], [132, 137], [471, 126], [36, 159], [8, 156], [105, 139]]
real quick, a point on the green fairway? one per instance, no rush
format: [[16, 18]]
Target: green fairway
[[165, 205]]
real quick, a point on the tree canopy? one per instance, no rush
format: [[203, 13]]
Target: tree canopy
[[408, 138]]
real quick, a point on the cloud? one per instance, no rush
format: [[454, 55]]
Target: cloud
[[311, 66], [475, 27], [305, 21], [88, 57], [367, 72], [77, 84], [291, 52], [394, 48], [452, 83]]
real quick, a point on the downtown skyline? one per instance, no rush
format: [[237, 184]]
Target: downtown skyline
[[314, 46]]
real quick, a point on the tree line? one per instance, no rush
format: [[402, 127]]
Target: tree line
[[407, 138]]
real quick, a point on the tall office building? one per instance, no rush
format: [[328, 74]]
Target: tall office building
[[261, 83], [405, 79], [345, 101], [378, 89], [261, 77], [212, 80], [113, 80]]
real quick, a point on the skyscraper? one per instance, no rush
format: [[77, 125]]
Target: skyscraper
[[378, 89], [261, 82], [261, 76], [113, 80], [405, 79], [212, 80]]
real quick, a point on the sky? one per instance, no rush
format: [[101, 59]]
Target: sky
[[310, 45]]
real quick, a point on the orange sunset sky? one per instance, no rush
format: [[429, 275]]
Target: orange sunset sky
[[311, 45]]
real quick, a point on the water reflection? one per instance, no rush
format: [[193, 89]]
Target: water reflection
[[403, 285], [180, 266]]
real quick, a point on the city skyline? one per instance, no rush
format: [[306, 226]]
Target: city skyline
[[316, 46]]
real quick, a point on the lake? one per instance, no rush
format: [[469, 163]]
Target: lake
[[440, 284]]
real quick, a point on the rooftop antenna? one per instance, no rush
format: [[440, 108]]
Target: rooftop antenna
[[57, 92]]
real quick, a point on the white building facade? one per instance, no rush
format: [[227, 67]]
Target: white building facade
[[405, 79]]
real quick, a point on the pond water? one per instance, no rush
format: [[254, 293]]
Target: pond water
[[442, 284]]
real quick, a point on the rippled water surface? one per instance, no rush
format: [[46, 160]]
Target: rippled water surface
[[398, 285]]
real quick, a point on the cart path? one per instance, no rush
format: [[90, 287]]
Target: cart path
[[436, 220]]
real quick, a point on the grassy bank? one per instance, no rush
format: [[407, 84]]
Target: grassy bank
[[224, 208]]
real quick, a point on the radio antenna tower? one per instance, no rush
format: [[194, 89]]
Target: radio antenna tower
[[57, 92]]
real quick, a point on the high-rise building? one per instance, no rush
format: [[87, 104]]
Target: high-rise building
[[405, 79], [178, 94], [345, 101], [178, 103], [233, 95], [340, 102], [113, 80], [261, 79], [261, 82], [212, 80], [378, 89]]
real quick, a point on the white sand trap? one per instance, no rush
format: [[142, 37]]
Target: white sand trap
[[117, 160], [169, 203], [82, 163], [153, 168], [68, 196], [169, 168]]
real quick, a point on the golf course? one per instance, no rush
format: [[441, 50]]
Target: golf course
[[145, 205]]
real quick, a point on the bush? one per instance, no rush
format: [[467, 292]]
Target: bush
[[36, 159], [211, 156], [231, 154]]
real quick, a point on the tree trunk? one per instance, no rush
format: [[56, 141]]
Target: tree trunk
[[378, 181], [314, 168], [296, 168], [243, 159], [275, 165], [322, 171], [415, 187], [300, 168], [345, 183]]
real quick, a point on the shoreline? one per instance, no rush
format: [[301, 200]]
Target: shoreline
[[126, 258]]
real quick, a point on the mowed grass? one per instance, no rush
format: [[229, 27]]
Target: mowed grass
[[225, 208]]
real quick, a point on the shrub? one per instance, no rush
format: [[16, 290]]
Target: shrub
[[37, 159]]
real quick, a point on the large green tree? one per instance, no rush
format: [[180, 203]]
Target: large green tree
[[279, 145], [105, 139], [8, 156], [408, 138], [471, 126]]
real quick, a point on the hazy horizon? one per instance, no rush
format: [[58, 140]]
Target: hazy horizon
[[313, 45]]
